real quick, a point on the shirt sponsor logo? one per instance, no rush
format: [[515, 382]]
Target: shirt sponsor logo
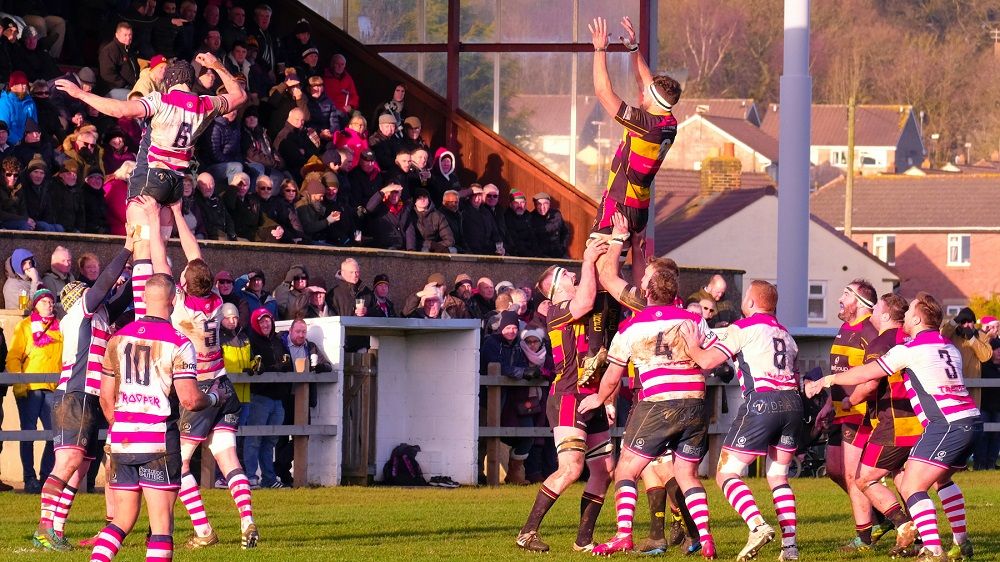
[[151, 475]]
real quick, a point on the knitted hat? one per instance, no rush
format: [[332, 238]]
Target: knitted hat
[[462, 278], [536, 332], [4, 126], [517, 194], [302, 26], [92, 171], [17, 78], [71, 293], [37, 163], [421, 192], [507, 318], [42, 294], [332, 156], [368, 156], [31, 126], [70, 167], [310, 51], [985, 321], [229, 310], [315, 187], [380, 278]]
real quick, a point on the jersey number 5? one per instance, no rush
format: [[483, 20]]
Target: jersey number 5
[[137, 364]]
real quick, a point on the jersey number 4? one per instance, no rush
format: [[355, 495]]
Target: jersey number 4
[[137, 364]]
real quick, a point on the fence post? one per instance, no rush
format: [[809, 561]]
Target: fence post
[[493, 420], [300, 443]]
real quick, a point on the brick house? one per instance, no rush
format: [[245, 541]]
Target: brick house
[[941, 232]]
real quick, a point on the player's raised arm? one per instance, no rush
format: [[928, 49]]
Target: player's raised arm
[[602, 80], [643, 76], [133, 109], [105, 282], [188, 241], [586, 290]]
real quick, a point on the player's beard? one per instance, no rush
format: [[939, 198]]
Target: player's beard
[[848, 313]]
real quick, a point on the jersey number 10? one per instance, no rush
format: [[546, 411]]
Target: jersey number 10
[[137, 364]]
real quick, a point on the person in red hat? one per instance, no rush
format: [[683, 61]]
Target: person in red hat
[[16, 106], [150, 78]]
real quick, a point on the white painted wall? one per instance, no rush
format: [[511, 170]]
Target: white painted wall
[[748, 241]]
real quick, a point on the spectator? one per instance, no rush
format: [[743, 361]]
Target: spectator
[[34, 143], [411, 134], [365, 179], [13, 207], [309, 68], [265, 399], [315, 220], [81, 147], [430, 304], [70, 212], [291, 295], [48, 126], [118, 63], [116, 151], [260, 81], [443, 176], [306, 357], [540, 362], [36, 62], [394, 106], [478, 228], [401, 172], [238, 358], [141, 17], [190, 210], [217, 224], [389, 219], [166, 30], [339, 85], [339, 232], [205, 84], [324, 116], [551, 234], [491, 204], [317, 300], [520, 236], [338, 161], [354, 136], [385, 143], [115, 196], [36, 348], [418, 166], [284, 97], [95, 208], [485, 296], [4, 487], [377, 301], [60, 271], [150, 78], [257, 149], [293, 45], [973, 344], [68, 106], [224, 284], [234, 29], [505, 348], [212, 43], [224, 154], [462, 293], [345, 299], [266, 40], [240, 208], [38, 199], [16, 106], [9, 47], [988, 447], [50, 27], [450, 210], [295, 144], [432, 230], [504, 302], [6, 149], [281, 210], [22, 279], [211, 19], [251, 290], [89, 267]]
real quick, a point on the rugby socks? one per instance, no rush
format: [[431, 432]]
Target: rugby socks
[[738, 495], [544, 501], [142, 270], [239, 487], [897, 515], [191, 497], [109, 540], [925, 518], [697, 504], [590, 509], [159, 548], [953, 504], [657, 498], [784, 507], [679, 508], [51, 494], [625, 500], [62, 510], [864, 531]]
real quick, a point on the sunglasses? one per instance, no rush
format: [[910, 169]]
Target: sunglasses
[[224, 282], [493, 197], [265, 189], [10, 174], [88, 145], [291, 191]]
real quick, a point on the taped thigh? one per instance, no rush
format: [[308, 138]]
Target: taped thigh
[[572, 444]]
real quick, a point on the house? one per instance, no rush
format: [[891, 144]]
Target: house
[[731, 108], [700, 135], [735, 227], [941, 232], [887, 137]]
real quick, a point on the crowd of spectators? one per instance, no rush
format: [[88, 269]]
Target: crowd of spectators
[[298, 164]]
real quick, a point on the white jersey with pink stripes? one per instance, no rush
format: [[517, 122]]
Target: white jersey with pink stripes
[[176, 120], [146, 356], [85, 339], [932, 369], [652, 339], [764, 352], [199, 318]]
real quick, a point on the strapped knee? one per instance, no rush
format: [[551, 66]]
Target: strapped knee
[[730, 464], [600, 450], [574, 444], [776, 469], [221, 441]]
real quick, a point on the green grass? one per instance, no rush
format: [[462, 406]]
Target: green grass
[[354, 523]]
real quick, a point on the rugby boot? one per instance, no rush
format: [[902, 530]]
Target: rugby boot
[[652, 547], [928, 555], [855, 545], [691, 546], [194, 541], [530, 541], [707, 549], [911, 551], [760, 536], [47, 539], [88, 542], [906, 534], [620, 543], [250, 537], [959, 552], [789, 553], [881, 530], [589, 547], [677, 531]]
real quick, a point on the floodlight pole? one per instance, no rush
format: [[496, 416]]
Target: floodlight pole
[[793, 168]]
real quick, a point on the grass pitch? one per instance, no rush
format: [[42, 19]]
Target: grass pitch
[[353, 523]]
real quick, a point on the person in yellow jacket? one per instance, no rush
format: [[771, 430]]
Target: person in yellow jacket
[[36, 348], [238, 359]]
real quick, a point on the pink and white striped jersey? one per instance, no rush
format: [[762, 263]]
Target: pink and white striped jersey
[[85, 338], [764, 353], [147, 356], [932, 369], [199, 318], [653, 341], [176, 119]]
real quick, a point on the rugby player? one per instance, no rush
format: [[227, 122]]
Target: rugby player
[[76, 414], [951, 421], [579, 437], [769, 420], [149, 367], [671, 413]]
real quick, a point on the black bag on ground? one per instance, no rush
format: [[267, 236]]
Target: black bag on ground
[[402, 468]]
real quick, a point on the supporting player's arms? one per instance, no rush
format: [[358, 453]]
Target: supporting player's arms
[[188, 241], [586, 290], [107, 279], [856, 375], [115, 108], [705, 358], [191, 397], [609, 386], [609, 273]]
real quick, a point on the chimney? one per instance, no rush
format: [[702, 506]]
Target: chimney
[[721, 173]]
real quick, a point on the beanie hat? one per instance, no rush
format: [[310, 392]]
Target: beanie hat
[[37, 163], [462, 278], [517, 194], [380, 278], [4, 126], [31, 126], [302, 26], [42, 294], [507, 318], [536, 332], [71, 293], [315, 187], [17, 78], [229, 309]]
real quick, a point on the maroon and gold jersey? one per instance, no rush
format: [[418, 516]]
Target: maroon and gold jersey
[[569, 346], [890, 411], [645, 142], [848, 350]]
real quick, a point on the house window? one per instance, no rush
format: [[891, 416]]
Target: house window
[[838, 157], [959, 249], [884, 247], [817, 300], [951, 310]]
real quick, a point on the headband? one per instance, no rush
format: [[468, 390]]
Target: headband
[[555, 281], [660, 100], [862, 300]]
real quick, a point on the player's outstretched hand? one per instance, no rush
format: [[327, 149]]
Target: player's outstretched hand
[[813, 388], [629, 38], [590, 402], [69, 87], [594, 250], [619, 224], [206, 59], [599, 33]]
